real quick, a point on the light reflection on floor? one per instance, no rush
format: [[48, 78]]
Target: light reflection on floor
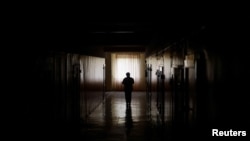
[[119, 106], [113, 120]]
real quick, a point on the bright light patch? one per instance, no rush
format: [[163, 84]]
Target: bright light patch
[[120, 110], [125, 65]]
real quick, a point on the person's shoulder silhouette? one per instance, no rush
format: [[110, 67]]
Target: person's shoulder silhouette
[[128, 81]]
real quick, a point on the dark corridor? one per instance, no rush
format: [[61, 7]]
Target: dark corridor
[[195, 79]]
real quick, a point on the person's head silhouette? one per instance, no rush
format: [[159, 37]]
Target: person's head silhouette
[[128, 74]]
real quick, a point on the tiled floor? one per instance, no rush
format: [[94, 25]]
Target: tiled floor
[[114, 121]]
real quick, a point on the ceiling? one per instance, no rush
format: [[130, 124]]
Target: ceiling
[[135, 36], [135, 33], [119, 33], [96, 37]]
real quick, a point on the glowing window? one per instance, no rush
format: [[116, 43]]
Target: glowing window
[[123, 63]]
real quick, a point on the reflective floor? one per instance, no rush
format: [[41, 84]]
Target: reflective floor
[[114, 121]]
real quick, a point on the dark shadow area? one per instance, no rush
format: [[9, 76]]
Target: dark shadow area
[[128, 120]]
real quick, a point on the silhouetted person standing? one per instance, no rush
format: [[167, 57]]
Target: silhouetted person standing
[[128, 87]]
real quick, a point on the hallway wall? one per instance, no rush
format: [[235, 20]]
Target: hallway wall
[[155, 64], [61, 90], [92, 86], [53, 78], [220, 58], [203, 77]]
